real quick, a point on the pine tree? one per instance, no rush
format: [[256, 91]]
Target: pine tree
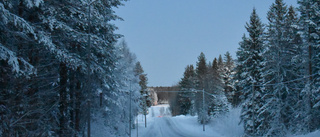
[[187, 84], [50, 55], [216, 99], [128, 88], [202, 84], [239, 80], [143, 81], [215, 77], [227, 76], [252, 65], [221, 65], [309, 23], [277, 68], [293, 104], [201, 71]]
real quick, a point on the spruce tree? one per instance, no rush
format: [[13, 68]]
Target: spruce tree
[[143, 81], [201, 71], [221, 65], [239, 80], [187, 84], [276, 70], [253, 67], [46, 45], [227, 76], [202, 84], [216, 99], [309, 24]]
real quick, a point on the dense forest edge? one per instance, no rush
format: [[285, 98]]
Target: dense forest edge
[[65, 72], [274, 78]]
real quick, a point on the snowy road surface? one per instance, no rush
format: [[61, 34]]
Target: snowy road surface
[[161, 124]]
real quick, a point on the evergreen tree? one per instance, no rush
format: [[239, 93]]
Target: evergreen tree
[[297, 70], [309, 23], [201, 71], [227, 76], [216, 99], [276, 71], [215, 77], [45, 45], [221, 66], [202, 84], [187, 84], [143, 81], [253, 67], [240, 77]]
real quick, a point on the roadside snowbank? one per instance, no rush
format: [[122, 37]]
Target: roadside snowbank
[[229, 124], [313, 134]]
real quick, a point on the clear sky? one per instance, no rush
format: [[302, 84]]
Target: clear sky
[[168, 35]]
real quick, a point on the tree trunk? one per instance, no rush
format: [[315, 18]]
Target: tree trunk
[[63, 100], [72, 99], [77, 106]]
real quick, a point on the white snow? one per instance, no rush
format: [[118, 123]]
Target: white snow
[[160, 123], [313, 134], [13, 61]]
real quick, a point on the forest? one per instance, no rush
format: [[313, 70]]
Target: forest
[[274, 78], [65, 72]]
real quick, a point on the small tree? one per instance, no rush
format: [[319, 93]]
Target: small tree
[[143, 81], [187, 83]]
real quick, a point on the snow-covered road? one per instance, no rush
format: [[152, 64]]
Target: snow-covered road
[[161, 124], [164, 128]]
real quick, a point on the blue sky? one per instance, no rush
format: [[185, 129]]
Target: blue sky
[[168, 35]]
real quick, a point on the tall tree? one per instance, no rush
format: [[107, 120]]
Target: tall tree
[[128, 89], [253, 65], [186, 84], [240, 77], [201, 71], [310, 24], [277, 68], [202, 84], [215, 96], [221, 65], [143, 81], [294, 105], [47, 45], [227, 76]]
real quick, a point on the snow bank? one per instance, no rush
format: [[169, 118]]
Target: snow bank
[[313, 134], [228, 124]]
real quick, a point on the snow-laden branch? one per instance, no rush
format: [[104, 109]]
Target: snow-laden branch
[[15, 62], [62, 55]]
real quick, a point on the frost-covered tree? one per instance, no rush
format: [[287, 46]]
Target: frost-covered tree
[[45, 52], [201, 71], [228, 76], [309, 23], [277, 70], [215, 97], [240, 77], [252, 64], [26, 72], [201, 84], [126, 83], [221, 65], [294, 104], [187, 84], [143, 81]]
